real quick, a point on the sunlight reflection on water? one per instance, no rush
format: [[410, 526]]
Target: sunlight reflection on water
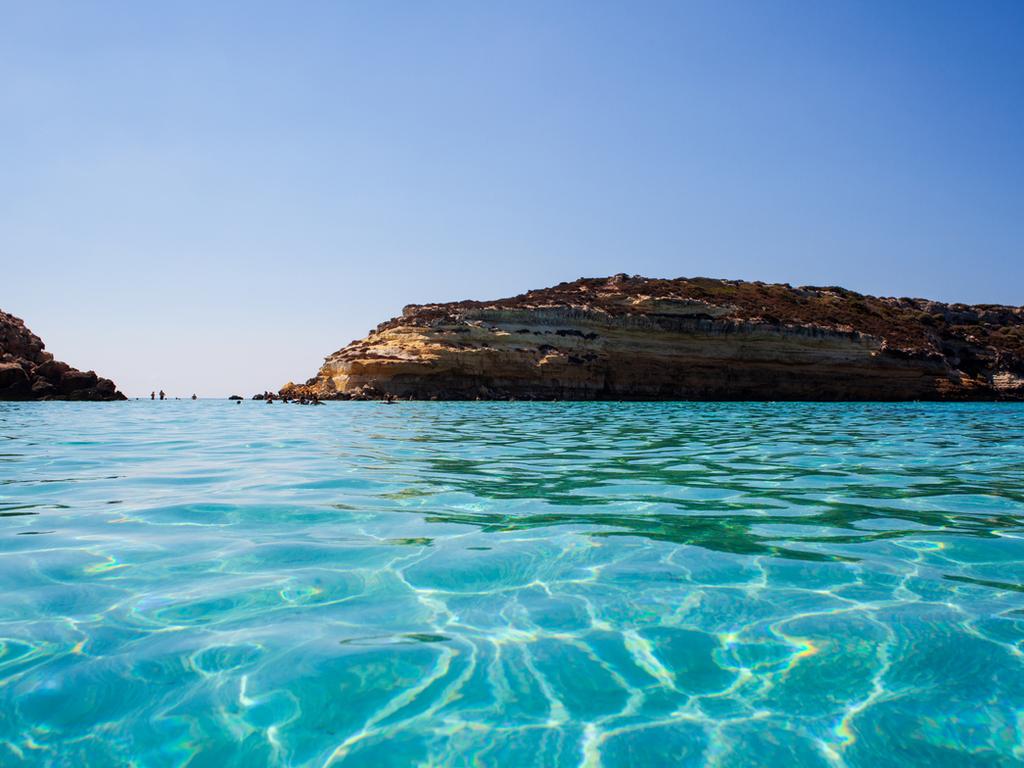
[[511, 584]]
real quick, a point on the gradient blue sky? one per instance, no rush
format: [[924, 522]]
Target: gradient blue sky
[[212, 196]]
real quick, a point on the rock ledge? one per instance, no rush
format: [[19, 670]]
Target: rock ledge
[[29, 372], [634, 338]]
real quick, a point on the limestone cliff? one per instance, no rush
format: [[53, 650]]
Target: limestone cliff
[[28, 372], [633, 338]]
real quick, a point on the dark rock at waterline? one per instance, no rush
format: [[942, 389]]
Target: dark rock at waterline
[[77, 381], [29, 372], [42, 390], [14, 378], [236, 397]]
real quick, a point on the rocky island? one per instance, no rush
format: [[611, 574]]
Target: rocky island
[[29, 372], [635, 338]]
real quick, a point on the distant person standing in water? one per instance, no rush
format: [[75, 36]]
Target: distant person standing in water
[[162, 394], [152, 395], [194, 396]]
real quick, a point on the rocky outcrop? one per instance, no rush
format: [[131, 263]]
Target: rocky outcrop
[[633, 338], [29, 372]]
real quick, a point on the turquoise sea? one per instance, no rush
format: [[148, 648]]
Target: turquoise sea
[[511, 584]]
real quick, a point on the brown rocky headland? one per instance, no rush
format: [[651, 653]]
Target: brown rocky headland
[[634, 338], [29, 372]]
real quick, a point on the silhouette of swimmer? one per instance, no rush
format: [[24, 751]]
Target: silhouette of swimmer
[[162, 396], [194, 396]]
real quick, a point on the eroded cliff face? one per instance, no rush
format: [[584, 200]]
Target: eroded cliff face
[[633, 338], [29, 372]]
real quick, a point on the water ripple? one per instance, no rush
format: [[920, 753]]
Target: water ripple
[[511, 584]]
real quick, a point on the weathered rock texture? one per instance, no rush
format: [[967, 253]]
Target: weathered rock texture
[[633, 338], [28, 372]]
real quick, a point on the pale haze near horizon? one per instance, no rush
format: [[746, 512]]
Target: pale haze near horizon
[[210, 198]]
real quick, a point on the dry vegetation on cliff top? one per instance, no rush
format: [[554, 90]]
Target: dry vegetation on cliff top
[[918, 327]]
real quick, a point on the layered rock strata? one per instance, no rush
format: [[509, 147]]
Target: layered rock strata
[[633, 338], [29, 372]]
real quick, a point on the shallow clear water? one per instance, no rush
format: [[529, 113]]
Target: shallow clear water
[[486, 584]]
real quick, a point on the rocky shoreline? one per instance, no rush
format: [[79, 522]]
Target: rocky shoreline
[[634, 338], [29, 372]]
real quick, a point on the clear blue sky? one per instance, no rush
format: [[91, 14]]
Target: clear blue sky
[[212, 196]]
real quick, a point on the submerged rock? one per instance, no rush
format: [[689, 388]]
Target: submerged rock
[[634, 338], [29, 372]]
